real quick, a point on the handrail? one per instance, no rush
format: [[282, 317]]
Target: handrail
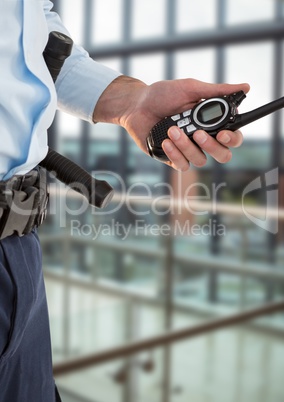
[[199, 206], [261, 271], [164, 339]]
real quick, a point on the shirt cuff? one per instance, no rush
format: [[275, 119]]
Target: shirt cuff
[[80, 85]]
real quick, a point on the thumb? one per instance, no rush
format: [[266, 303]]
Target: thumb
[[206, 90], [227, 89]]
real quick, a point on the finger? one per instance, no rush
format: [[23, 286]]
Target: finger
[[189, 150], [219, 152], [207, 90], [177, 160], [230, 138]]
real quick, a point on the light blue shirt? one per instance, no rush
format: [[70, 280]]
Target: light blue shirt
[[28, 98]]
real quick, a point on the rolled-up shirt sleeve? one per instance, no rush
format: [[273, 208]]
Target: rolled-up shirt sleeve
[[81, 80]]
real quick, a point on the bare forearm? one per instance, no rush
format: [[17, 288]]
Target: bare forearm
[[118, 99]]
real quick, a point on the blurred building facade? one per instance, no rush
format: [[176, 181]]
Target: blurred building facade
[[172, 250]]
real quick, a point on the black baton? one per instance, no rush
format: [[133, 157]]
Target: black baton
[[98, 192]]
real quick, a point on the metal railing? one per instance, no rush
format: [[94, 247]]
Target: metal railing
[[164, 339], [172, 336]]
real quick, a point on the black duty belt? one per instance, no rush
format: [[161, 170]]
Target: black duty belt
[[23, 203]]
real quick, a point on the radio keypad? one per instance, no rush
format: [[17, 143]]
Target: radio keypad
[[184, 122]]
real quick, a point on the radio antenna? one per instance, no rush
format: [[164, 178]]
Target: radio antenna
[[249, 117]]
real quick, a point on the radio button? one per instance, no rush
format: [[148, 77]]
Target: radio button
[[187, 113], [191, 128], [175, 117], [183, 122]]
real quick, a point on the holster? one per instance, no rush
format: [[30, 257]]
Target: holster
[[23, 203]]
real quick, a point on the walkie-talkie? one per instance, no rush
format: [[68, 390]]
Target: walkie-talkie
[[211, 115], [98, 192]]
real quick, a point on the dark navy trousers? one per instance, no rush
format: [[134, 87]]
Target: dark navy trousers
[[25, 349]]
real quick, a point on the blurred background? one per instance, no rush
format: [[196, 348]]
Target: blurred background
[[118, 276]]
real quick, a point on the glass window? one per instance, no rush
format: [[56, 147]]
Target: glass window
[[107, 21], [195, 15], [253, 63], [71, 12], [105, 132], [242, 11], [198, 64], [121, 250], [69, 126], [282, 90], [148, 68], [281, 9], [114, 63], [149, 18]]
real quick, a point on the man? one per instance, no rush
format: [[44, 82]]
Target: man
[[28, 101]]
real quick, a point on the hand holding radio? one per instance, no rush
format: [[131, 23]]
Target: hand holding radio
[[213, 115], [139, 107]]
